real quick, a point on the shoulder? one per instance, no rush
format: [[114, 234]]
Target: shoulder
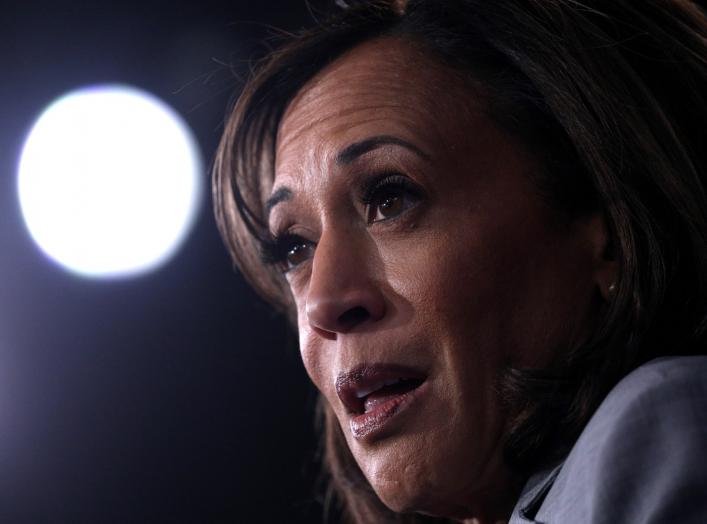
[[643, 455], [653, 398]]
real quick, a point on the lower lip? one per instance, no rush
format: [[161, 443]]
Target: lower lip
[[373, 423]]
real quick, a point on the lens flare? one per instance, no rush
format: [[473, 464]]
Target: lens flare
[[109, 181]]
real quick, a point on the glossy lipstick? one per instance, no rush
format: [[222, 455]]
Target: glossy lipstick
[[374, 394]]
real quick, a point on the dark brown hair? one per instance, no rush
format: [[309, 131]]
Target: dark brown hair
[[612, 95]]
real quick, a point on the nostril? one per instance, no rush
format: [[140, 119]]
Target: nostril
[[353, 316]]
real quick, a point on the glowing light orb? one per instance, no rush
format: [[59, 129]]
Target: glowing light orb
[[109, 181]]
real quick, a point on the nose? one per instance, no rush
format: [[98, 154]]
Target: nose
[[343, 294]]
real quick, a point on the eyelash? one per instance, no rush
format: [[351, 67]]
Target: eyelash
[[275, 249]]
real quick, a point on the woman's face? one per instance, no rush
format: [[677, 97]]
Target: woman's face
[[422, 261]]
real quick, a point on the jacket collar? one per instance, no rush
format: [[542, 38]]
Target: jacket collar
[[533, 495]]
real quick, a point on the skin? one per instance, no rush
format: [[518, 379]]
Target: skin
[[472, 274]]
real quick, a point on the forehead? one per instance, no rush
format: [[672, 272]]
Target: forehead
[[382, 87]]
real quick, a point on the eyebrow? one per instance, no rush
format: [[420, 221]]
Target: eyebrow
[[357, 149], [347, 156], [282, 194]]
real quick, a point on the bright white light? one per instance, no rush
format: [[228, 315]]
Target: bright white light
[[109, 181]]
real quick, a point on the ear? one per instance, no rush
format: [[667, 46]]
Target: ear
[[604, 257]]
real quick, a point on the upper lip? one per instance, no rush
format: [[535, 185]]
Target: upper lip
[[353, 386]]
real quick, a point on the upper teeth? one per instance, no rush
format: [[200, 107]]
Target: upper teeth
[[360, 393]]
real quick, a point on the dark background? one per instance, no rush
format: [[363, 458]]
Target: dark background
[[173, 397]]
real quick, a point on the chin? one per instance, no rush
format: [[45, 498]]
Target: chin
[[407, 497], [405, 481], [436, 475], [412, 497]]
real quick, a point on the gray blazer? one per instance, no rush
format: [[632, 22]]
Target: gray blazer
[[642, 458]]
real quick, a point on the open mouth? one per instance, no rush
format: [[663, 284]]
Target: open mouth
[[369, 401], [373, 394]]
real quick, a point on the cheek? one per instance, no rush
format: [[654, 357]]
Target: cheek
[[447, 276], [316, 358], [480, 284], [309, 354]]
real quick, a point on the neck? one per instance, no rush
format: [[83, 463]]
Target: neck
[[498, 504]]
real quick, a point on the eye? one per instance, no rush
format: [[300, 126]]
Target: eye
[[298, 253], [385, 197], [286, 251], [388, 196]]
